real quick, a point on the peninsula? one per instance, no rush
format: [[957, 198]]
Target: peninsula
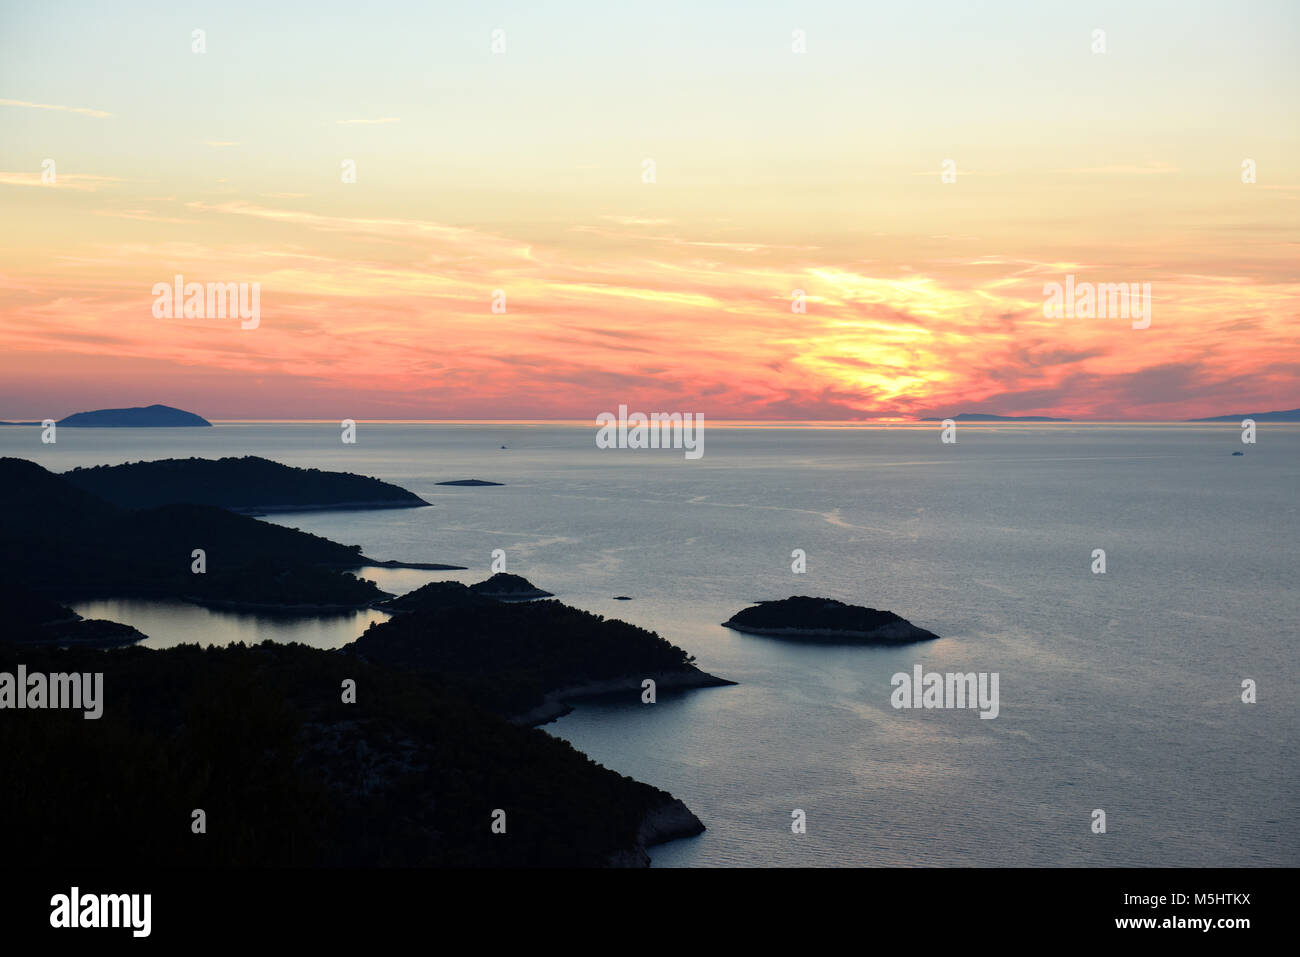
[[32, 619], [523, 660], [250, 484], [410, 775], [67, 543]]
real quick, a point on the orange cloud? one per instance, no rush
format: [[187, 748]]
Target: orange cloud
[[395, 314]]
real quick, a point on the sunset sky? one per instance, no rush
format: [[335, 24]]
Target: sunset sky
[[774, 171]]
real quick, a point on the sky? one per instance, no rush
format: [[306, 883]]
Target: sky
[[519, 175]]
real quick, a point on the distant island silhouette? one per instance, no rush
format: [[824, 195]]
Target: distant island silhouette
[[825, 619], [1289, 415], [990, 417], [138, 417], [473, 482]]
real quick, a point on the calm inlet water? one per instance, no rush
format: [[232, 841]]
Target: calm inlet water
[[1118, 691]]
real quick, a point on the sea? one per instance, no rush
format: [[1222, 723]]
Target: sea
[[1161, 692]]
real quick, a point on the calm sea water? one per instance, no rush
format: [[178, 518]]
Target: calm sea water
[[1118, 691]]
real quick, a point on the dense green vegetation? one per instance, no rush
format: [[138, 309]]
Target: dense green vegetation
[[243, 483], [288, 774]]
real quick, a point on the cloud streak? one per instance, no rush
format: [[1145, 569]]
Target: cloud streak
[[85, 111]]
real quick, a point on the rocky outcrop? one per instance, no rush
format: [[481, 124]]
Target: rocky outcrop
[[504, 587], [826, 620]]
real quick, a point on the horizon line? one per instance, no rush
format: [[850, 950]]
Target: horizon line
[[727, 423]]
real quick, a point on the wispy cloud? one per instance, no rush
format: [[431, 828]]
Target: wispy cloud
[[86, 111], [81, 182], [956, 172], [141, 214], [1129, 169], [731, 246], [460, 240], [636, 221]]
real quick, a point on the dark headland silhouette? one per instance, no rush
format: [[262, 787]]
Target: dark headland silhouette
[[67, 542], [411, 771], [34, 619], [247, 484], [138, 417], [523, 659], [446, 594]]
